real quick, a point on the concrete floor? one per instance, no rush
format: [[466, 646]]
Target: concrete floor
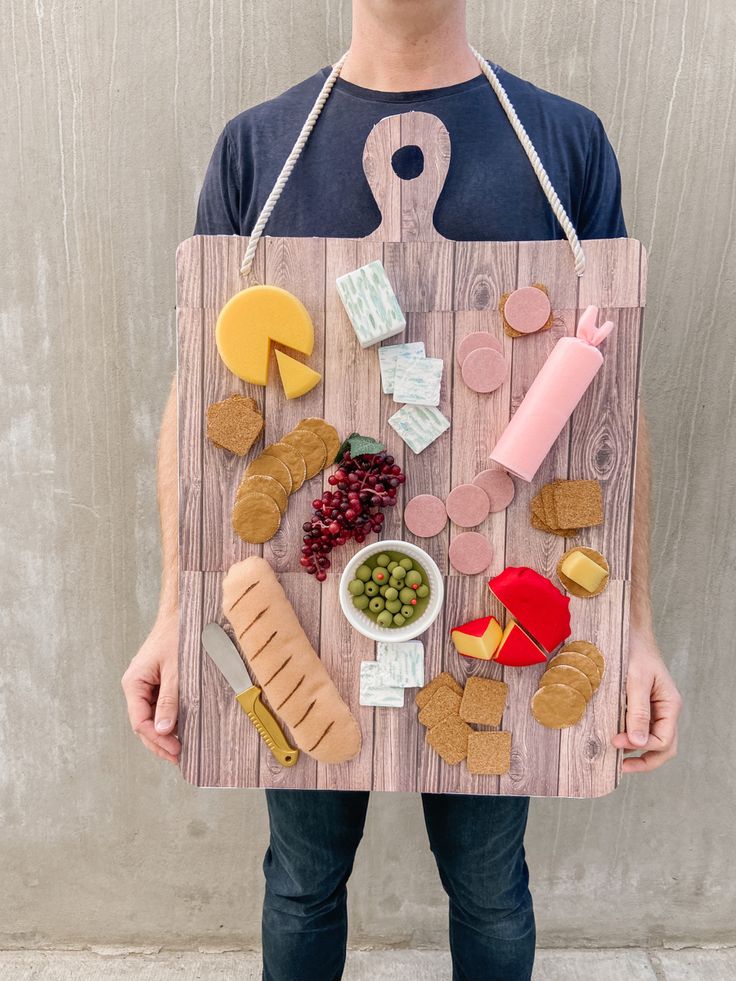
[[396, 965]]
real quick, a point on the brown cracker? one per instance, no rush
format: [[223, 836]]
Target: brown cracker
[[444, 702], [483, 701], [575, 588], [589, 650], [546, 495], [234, 424], [269, 466], [292, 460], [565, 674], [489, 752], [582, 663], [264, 485], [578, 503], [326, 432], [557, 706], [541, 525], [449, 739], [424, 694], [311, 447], [256, 517]]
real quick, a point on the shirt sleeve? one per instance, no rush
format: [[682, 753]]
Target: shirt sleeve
[[600, 214], [218, 209]]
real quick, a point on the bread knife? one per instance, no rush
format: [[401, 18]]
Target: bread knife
[[226, 656]]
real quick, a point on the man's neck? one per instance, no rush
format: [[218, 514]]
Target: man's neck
[[416, 44]]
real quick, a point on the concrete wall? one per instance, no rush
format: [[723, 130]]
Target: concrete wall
[[110, 112]]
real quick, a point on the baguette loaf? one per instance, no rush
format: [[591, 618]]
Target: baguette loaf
[[285, 664]]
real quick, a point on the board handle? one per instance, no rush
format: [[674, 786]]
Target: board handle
[[407, 206]]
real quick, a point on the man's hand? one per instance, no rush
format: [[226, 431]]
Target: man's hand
[[653, 705], [151, 686]]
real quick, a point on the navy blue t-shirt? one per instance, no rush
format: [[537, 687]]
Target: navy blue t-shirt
[[491, 192]]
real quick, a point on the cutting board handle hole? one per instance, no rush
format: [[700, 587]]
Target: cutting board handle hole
[[408, 162]]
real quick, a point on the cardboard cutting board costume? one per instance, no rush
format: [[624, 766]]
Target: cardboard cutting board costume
[[447, 291]]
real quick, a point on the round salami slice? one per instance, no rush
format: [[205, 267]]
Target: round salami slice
[[425, 515], [527, 310], [498, 486], [470, 553], [484, 370], [467, 505], [481, 338]]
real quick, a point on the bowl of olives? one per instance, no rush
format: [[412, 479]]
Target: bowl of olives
[[391, 591]]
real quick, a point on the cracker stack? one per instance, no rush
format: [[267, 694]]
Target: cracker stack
[[570, 681], [563, 507]]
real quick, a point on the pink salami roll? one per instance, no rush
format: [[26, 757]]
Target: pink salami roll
[[425, 515], [467, 505], [484, 370], [470, 553]]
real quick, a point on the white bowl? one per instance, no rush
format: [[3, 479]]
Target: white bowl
[[367, 626]]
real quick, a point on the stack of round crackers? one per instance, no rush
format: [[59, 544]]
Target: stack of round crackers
[[570, 681], [280, 470]]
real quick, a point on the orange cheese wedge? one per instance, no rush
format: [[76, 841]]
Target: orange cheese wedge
[[297, 378]]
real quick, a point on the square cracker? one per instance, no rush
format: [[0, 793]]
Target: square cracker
[[444, 702], [578, 503], [423, 696], [483, 701], [489, 752], [449, 739], [548, 506]]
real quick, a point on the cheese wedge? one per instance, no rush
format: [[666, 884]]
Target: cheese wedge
[[583, 570], [478, 638], [297, 378], [517, 649], [255, 318]]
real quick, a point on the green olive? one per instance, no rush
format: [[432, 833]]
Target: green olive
[[384, 618], [407, 611], [422, 591], [361, 602], [393, 605], [376, 604], [406, 564], [383, 559], [363, 572], [391, 593], [399, 572], [391, 566], [398, 620], [356, 587], [406, 595], [413, 578], [371, 589], [380, 576]]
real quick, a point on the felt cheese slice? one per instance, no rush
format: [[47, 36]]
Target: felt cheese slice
[[478, 638], [297, 378], [584, 571], [517, 649], [418, 425], [371, 304], [536, 603], [255, 318]]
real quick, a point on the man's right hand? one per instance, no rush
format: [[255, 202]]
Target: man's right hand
[[151, 686]]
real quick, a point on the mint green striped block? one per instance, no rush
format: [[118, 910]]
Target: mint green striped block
[[371, 304], [419, 425]]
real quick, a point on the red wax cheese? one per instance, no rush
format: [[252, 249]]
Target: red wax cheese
[[478, 638], [517, 649], [536, 603]]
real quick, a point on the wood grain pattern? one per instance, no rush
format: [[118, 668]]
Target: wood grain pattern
[[447, 291]]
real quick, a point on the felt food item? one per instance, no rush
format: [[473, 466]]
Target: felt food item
[[327, 433], [467, 505], [517, 649], [443, 702], [536, 603], [582, 663], [564, 506], [553, 395], [310, 447], [374, 691], [388, 356], [402, 664], [449, 739], [484, 370], [419, 425], [255, 318], [472, 342], [269, 466], [443, 680], [499, 488], [256, 517], [526, 310], [285, 665], [470, 553], [589, 650], [564, 674], [390, 588], [292, 460], [583, 572], [296, 377], [234, 424], [425, 515], [483, 701], [557, 706], [477, 638], [371, 304], [264, 485], [418, 381], [489, 753]]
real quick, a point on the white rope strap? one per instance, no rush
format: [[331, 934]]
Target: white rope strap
[[556, 204], [286, 170]]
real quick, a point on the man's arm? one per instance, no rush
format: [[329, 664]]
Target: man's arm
[[151, 683], [653, 701]]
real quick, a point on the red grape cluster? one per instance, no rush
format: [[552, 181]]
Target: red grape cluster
[[351, 508]]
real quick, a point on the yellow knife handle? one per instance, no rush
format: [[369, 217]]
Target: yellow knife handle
[[267, 726]]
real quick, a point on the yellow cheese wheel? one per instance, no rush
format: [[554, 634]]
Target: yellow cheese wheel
[[255, 318], [297, 378]]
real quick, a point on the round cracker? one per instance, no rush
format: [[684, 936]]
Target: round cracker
[[256, 517], [292, 460], [264, 485], [326, 432], [557, 706], [312, 448], [590, 650], [564, 674], [269, 466], [582, 663], [575, 588]]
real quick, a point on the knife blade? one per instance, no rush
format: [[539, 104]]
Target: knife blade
[[226, 656]]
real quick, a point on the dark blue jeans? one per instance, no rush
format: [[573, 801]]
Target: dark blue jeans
[[477, 842]]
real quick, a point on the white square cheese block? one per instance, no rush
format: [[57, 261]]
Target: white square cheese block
[[402, 664], [388, 355], [419, 425], [371, 304], [418, 382], [375, 691]]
